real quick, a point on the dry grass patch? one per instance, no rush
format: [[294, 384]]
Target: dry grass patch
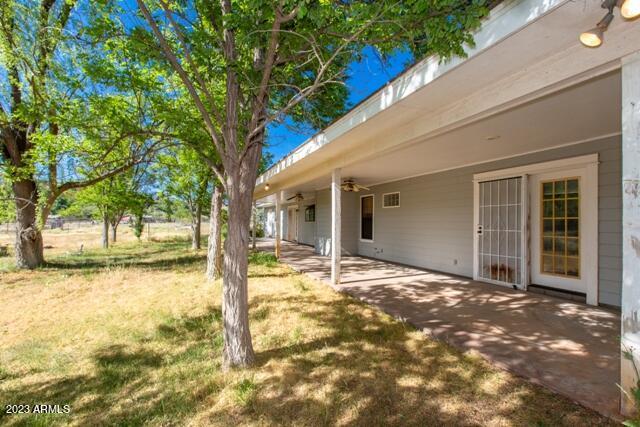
[[132, 336]]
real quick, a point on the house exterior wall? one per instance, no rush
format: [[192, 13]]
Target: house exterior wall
[[269, 222], [323, 223], [306, 230], [433, 227], [284, 221]]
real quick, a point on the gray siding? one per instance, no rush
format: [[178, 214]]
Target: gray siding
[[269, 222], [433, 228], [323, 223], [306, 230]]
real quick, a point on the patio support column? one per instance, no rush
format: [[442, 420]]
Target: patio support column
[[278, 231], [630, 226], [336, 225]]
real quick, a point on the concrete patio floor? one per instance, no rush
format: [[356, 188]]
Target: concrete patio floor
[[568, 347]]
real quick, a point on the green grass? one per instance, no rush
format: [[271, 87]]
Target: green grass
[[133, 336]]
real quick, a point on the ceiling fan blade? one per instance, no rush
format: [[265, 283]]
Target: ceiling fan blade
[[292, 197]]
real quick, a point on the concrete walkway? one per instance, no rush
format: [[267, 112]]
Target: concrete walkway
[[568, 347]]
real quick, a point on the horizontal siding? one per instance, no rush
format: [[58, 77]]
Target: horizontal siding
[[433, 227], [306, 230], [323, 223]]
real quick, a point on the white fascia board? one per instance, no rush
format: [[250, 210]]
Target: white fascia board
[[504, 20]]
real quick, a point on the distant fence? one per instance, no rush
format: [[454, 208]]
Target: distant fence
[[75, 224], [10, 227]]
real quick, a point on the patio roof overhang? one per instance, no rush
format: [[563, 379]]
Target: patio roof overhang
[[527, 68]]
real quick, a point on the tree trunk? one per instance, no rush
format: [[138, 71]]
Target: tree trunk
[[195, 227], [105, 232], [114, 232], [238, 350], [214, 253], [29, 249]]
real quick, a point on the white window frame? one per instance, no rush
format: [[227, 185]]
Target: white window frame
[[373, 218], [391, 207]]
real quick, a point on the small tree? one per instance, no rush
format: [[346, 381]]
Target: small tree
[[185, 178], [139, 208], [113, 198]]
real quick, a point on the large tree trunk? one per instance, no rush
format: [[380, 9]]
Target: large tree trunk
[[238, 350], [195, 227], [29, 250], [105, 232], [214, 252]]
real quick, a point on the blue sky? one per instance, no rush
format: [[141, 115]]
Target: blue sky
[[365, 77]]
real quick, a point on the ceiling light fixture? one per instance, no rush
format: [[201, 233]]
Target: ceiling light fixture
[[266, 187], [629, 9]]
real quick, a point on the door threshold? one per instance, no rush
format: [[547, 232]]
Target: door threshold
[[559, 293]]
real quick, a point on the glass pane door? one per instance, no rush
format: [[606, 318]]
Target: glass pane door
[[560, 217], [500, 231]]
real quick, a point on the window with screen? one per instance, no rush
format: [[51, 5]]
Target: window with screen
[[310, 213], [391, 200], [366, 218]]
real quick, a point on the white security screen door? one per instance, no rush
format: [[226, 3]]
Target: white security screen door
[[500, 231]]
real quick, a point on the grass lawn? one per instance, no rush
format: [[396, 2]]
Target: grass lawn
[[132, 336]]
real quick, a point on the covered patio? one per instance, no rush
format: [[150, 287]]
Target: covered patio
[[568, 347], [464, 167]]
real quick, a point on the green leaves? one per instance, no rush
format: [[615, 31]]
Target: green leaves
[[183, 178]]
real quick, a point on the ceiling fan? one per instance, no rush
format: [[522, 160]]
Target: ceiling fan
[[298, 197], [349, 185]]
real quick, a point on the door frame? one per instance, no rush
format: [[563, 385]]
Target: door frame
[[293, 208], [524, 247], [587, 162]]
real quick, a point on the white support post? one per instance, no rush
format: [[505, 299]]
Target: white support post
[[336, 225], [630, 226], [278, 230]]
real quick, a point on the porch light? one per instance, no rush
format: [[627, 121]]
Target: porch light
[[266, 187], [595, 36], [630, 9]]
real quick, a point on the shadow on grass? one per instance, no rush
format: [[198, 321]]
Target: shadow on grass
[[127, 262], [158, 256], [365, 370], [133, 384]]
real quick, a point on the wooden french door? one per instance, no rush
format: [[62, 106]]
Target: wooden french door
[[558, 229]]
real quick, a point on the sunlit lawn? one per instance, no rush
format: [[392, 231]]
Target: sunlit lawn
[[132, 336]]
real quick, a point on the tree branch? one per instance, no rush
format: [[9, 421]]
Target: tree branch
[[175, 64]]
